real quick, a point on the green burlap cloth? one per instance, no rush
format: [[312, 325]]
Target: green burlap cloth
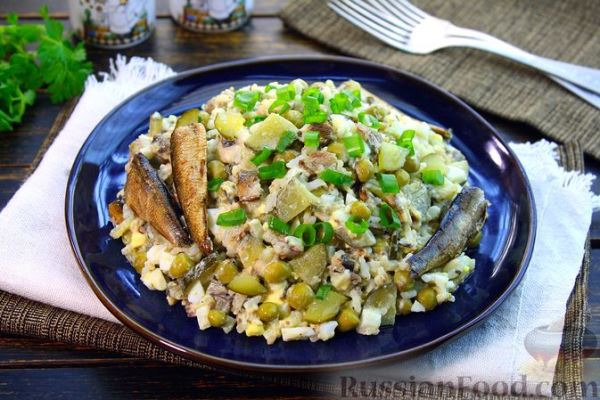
[[20, 316], [567, 30]]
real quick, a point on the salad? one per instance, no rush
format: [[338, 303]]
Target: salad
[[297, 211]]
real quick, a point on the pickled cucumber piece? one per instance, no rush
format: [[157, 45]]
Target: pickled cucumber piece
[[268, 132], [229, 123], [384, 300], [324, 310], [189, 117], [293, 199], [246, 284], [391, 157], [310, 265]]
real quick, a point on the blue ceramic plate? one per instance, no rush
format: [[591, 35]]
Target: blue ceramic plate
[[98, 174]]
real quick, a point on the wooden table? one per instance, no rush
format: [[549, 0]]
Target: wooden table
[[32, 368]]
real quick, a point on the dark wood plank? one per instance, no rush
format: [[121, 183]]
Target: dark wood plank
[[11, 179], [124, 382], [60, 8], [19, 147], [21, 352]]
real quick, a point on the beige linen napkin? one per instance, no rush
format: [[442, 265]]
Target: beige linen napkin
[[36, 259]]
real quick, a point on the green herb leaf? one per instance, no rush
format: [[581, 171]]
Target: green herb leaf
[[36, 56]]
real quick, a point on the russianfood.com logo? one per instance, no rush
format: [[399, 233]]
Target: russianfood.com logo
[[353, 387], [535, 376]]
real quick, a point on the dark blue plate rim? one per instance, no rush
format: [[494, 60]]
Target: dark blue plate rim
[[198, 356]]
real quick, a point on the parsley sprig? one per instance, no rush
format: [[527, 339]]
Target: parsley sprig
[[37, 57]]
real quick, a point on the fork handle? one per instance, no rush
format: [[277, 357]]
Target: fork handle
[[585, 77]]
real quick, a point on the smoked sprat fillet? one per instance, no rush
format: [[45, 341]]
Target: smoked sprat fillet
[[188, 160], [463, 220], [148, 197]]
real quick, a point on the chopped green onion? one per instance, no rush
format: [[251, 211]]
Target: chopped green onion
[[311, 139], [254, 120], [279, 106], [356, 225], [408, 134], [214, 184], [322, 291], [232, 218], [261, 156], [307, 233], [286, 93], [269, 87], [406, 141], [311, 104], [312, 110], [245, 100], [355, 146], [339, 103], [345, 101], [324, 232], [278, 225], [315, 118], [388, 217], [274, 171], [388, 183], [433, 177], [353, 97], [286, 140], [314, 92], [336, 178], [369, 120]]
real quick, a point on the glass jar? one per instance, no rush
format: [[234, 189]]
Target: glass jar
[[211, 15], [113, 24]]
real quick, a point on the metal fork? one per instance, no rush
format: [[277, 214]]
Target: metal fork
[[406, 27]]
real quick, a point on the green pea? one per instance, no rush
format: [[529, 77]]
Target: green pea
[[427, 297], [268, 311]]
